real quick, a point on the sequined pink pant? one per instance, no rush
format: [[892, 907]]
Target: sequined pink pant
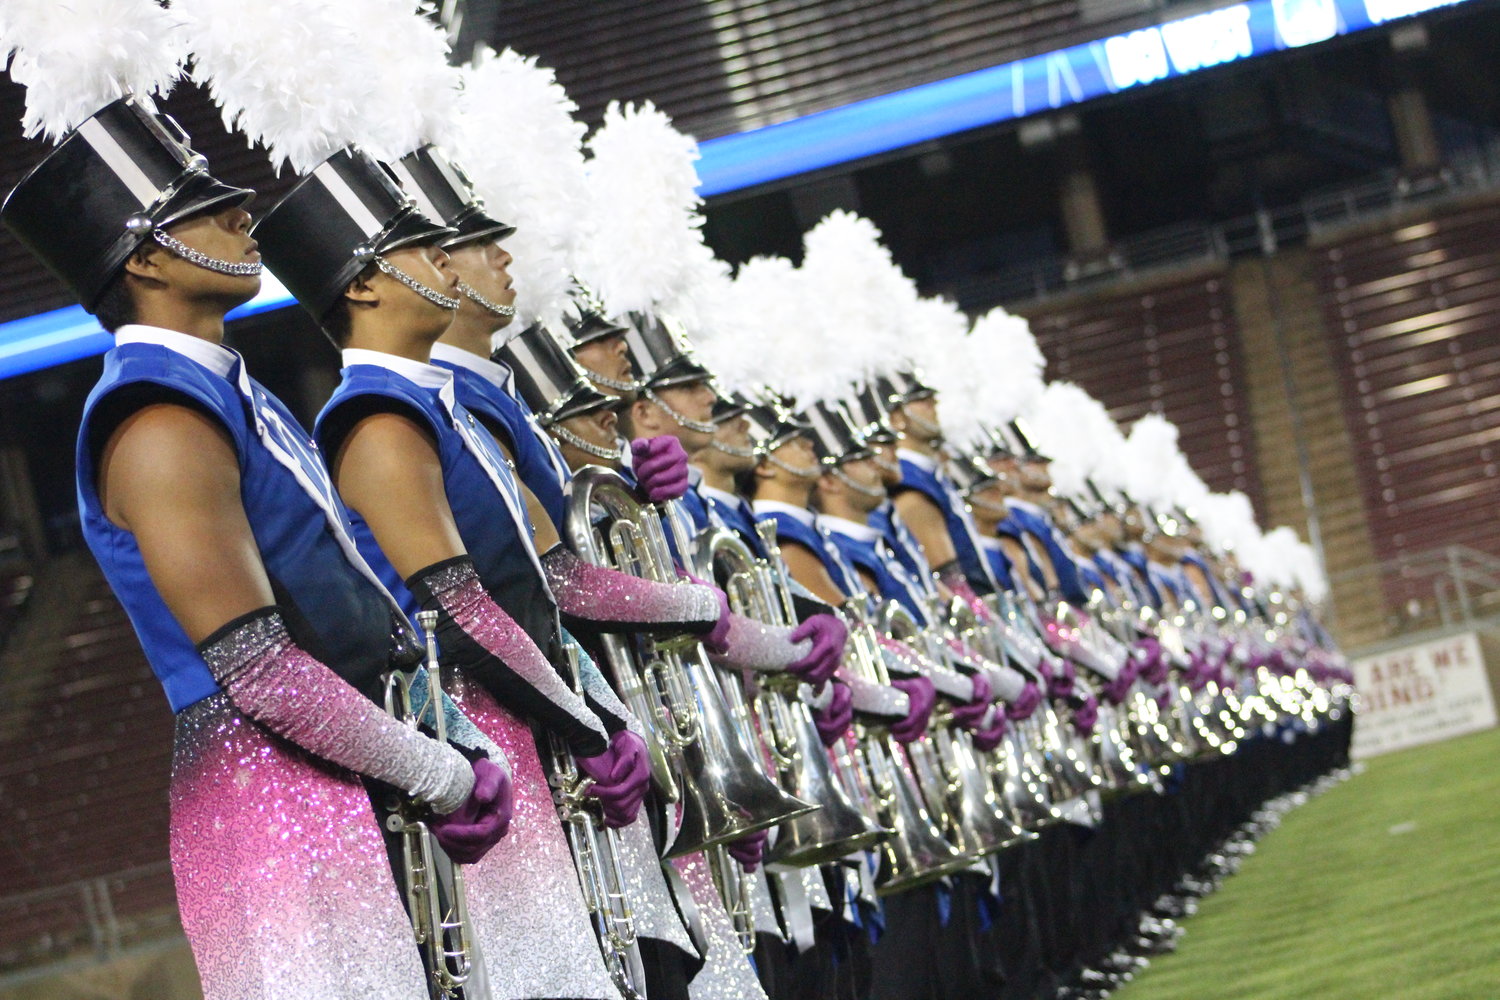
[[524, 899], [282, 877]]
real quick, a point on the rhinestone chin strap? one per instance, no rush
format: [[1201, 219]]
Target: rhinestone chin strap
[[505, 312], [610, 383], [925, 426], [801, 472], [432, 295], [860, 488], [588, 447], [244, 269], [701, 426], [988, 506], [735, 450]]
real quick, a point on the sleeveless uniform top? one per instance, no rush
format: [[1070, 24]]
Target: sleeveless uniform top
[[1218, 596], [735, 514], [479, 484], [1000, 564], [900, 539], [920, 473], [333, 605], [799, 526], [864, 549], [485, 389], [1135, 558], [1035, 522]]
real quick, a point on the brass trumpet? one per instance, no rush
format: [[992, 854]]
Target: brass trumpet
[[439, 913]]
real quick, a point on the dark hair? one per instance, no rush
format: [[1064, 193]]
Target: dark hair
[[338, 321], [116, 307]]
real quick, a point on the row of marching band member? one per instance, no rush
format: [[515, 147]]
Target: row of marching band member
[[743, 667]]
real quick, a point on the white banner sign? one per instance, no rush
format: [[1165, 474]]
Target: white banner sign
[[1421, 694]]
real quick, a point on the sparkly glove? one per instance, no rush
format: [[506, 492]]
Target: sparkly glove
[[1006, 683], [661, 467], [885, 704], [601, 698], [715, 640], [972, 714], [754, 645], [1025, 703], [1086, 716], [488, 644], [834, 719], [272, 680], [749, 850], [592, 599], [1153, 662], [991, 734], [828, 634], [621, 776], [922, 696], [1063, 679], [468, 833], [1118, 689]]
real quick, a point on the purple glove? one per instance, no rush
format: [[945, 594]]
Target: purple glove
[[1153, 662], [621, 776], [661, 467], [1164, 700], [1118, 689], [1196, 675], [989, 737], [828, 635], [1086, 716], [749, 850], [1060, 684], [970, 715], [468, 832], [833, 720], [922, 696], [1025, 704]]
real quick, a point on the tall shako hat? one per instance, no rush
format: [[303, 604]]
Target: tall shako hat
[[547, 377], [868, 408], [773, 425], [120, 172], [901, 387], [835, 435], [591, 323], [969, 472], [442, 192], [660, 351], [1002, 442], [114, 182], [1025, 439], [335, 222], [730, 405]]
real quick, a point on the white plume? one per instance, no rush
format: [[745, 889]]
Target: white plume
[[647, 247], [407, 52], [523, 150], [864, 297], [1014, 365], [1078, 434], [75, 56], [787, 345], [1155, 464], [942, 350], [1274, 558], [287, 73], [1307, 571], [1228, 522]]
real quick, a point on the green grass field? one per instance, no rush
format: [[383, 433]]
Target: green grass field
[[1385, 888]]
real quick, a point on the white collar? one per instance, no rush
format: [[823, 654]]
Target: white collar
[[1016, 503], [493, 372], [695, 477], [713, 493], [990, 544], [924, 462], [215, 357], [426, 375], [799, 514], [853, 529]]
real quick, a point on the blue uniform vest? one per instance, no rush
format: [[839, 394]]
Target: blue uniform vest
[[538, 462], [1218, 596], [960, 527], [1000, 568], [489, 532], [1137, 561], [330, 608], [890, 577], [902, 542], [740, 519], [1040, 527], [789, 529]]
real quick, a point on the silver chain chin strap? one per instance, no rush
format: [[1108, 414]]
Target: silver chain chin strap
[[925, 426], [804, 472], [702, 427], [610, 383], [860, 488], [243, 269], [988, 506], [732, 449], [588, 447], [504, 312], [432, 295]]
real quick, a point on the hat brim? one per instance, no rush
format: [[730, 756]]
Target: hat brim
[[592, 326], [582, 401], [411, 229], [681, 370], [476, 227]]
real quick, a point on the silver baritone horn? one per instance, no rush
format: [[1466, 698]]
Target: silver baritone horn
[[698, 752], [434, 885]]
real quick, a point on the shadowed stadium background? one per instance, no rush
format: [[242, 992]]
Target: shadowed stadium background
[[1293, 256]]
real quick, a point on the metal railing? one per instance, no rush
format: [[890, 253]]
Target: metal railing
[[1442, 587]]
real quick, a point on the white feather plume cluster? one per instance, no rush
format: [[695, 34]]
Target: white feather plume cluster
[[75, 56], [1282, 559], [942, 350], [406, 51], [1228, 522], [1014, 361], [1078, 434], [867, 297], [523, 149], [1154, 464], [647, 245], [286, 73], [783, 315]]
